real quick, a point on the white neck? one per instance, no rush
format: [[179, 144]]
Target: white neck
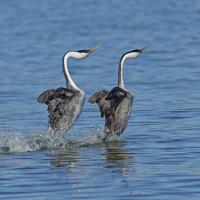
[[70, 83], [121, 65], [120, 72]]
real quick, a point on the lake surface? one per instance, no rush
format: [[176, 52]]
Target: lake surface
[[157, 157]]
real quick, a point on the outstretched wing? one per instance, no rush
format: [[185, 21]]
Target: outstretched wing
[[116, 94], [44, 96], [60, 106], [61, 93], [99, 98], [115, 106], [108, 101]]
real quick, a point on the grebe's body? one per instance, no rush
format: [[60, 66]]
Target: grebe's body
[[64, 107], [116, 105], [65, 104]]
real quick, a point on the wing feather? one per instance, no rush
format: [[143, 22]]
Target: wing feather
[[48, 95], [116, 94], [99, 98], [44, 96], [115, 106]]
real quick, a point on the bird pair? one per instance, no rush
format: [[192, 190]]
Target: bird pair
[[65, 104]]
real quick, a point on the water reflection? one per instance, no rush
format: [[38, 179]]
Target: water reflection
[[117, 157], [64, 158]]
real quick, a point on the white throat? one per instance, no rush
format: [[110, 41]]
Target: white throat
[[69, 81], [121, 65], [120, 73]]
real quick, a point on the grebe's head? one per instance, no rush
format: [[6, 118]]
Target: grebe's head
[[82, 53], [134, 53]]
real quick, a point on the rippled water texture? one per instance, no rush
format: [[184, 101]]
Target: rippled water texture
[[157, 158]]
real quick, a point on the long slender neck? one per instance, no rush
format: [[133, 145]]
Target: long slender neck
[[120, 72], [69, 81]]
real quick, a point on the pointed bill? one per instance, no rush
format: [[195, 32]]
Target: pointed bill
[[144, 48], [93, 49]]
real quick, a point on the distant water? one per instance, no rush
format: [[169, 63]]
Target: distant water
[[157, 158]]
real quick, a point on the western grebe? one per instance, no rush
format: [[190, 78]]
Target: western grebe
[[116, 105], [65, 104]]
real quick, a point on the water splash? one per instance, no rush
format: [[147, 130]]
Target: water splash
[[16, 142]]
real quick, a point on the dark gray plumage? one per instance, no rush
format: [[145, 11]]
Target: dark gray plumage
[[116, 105], [63, 106]]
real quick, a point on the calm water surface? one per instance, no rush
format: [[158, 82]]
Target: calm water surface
[[157, 158]]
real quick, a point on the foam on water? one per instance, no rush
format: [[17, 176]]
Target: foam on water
[[15, 142]]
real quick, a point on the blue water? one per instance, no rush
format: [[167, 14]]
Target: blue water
[[157, 157]]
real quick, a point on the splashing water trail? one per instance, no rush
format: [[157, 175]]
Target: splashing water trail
[[16, 142]]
